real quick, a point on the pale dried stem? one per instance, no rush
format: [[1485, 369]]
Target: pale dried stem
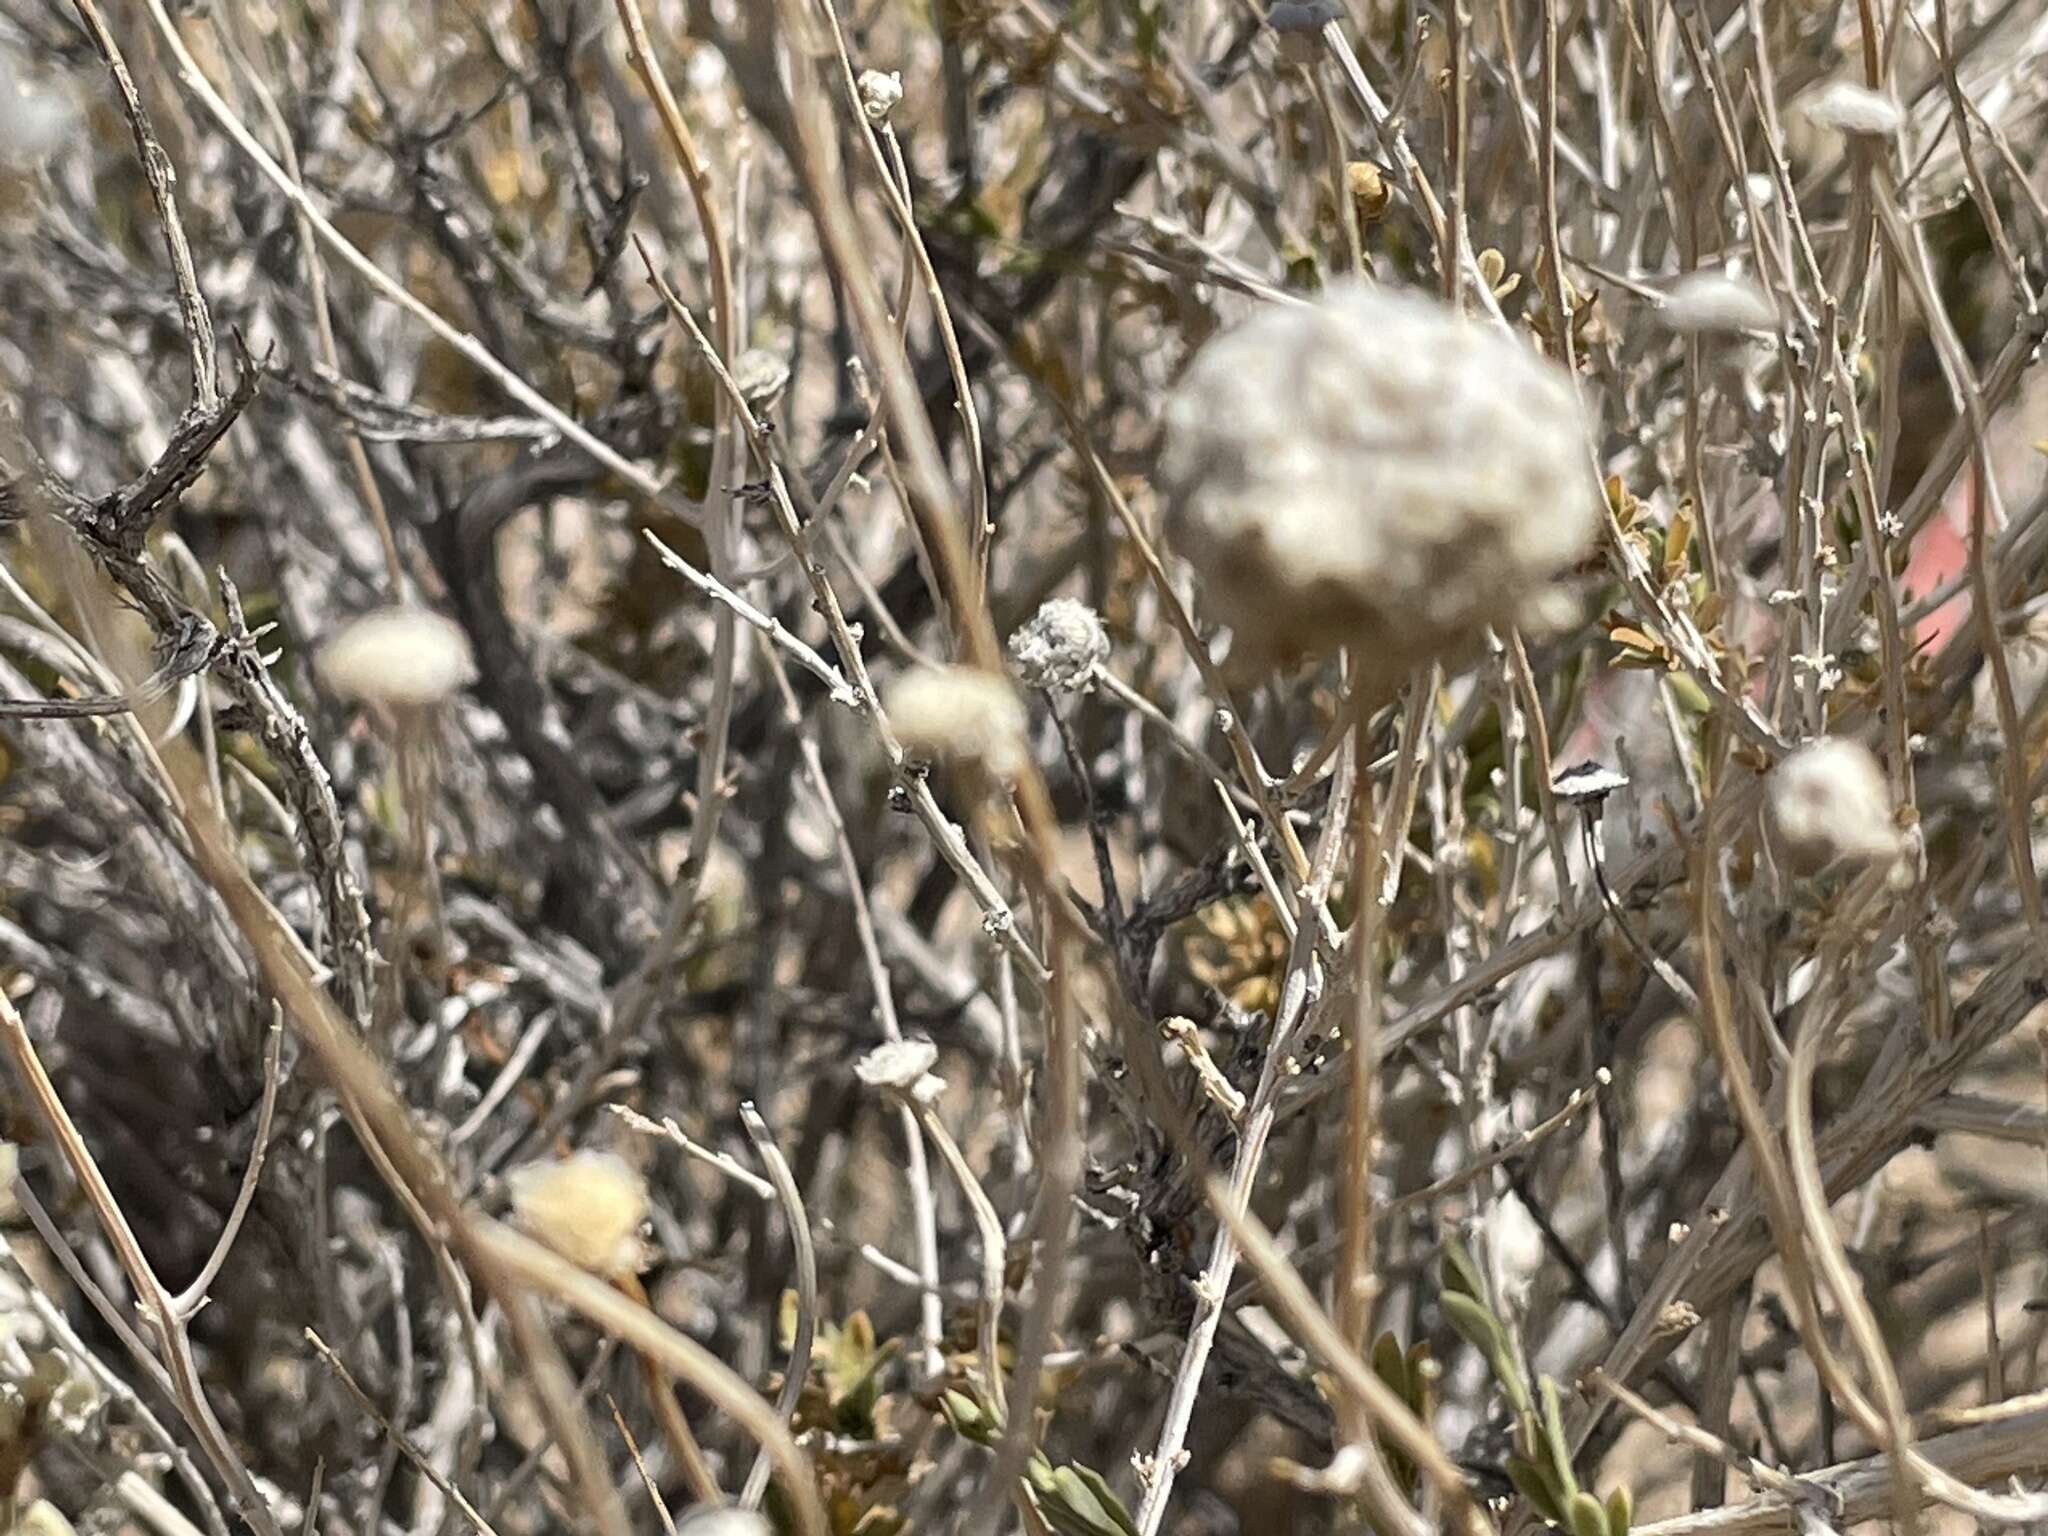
[[159, 1307], [917, 1172], [1302, 977], [1856, 1491], [797, 1371]]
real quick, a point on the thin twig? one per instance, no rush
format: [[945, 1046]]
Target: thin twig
[[798, 1369]]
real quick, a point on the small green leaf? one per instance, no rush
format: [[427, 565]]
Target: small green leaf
[[1390, 1364], [1554, 1439], [1621, 1511], [1106, 1497], [1533, 1484], [1472, 1319], [1073, 1497], [1460, 1274], [966, 1417], [1691, 697], [1585, 1517]]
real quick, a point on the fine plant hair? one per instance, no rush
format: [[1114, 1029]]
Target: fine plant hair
[[1097, 767]]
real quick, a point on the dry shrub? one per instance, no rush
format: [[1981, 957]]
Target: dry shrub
[[1138, 767]]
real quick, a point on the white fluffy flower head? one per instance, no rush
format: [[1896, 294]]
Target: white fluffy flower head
[[588, 1207], [1374, 470], [1061, 647], [1853, 109], [1829, 802], [1714, 301], [35, 121], [961, 713], [727, 1521], [399, 655]]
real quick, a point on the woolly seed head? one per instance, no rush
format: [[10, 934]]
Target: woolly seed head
[[398, 655], [1061, 647], [728, 1521], [34, 121], [1374, 470], [961, 713], [1828, 802], [1853, 109], [879, 93], [761, 375], [1714, 301], [588, 1207]]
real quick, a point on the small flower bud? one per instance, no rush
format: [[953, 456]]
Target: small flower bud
[[1371, 196]]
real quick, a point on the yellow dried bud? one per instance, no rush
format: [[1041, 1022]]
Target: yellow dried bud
[[1370, 194]]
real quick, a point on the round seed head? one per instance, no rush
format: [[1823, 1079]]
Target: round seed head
[[35, 120], [1374, 470], [961, 713], [399, 655], [1853, 109], [1061, 647], [879, 93], [1714, 301], [1828, 802], [897, 1064], [588, 1207]]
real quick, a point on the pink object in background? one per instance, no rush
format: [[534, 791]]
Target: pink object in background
[[1940, 555]]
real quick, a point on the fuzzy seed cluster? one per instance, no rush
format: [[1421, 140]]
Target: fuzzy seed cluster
[[1061, 647], [962, 714], [401, 655], [1374, 470], [588, 1207], [1829, 804]]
